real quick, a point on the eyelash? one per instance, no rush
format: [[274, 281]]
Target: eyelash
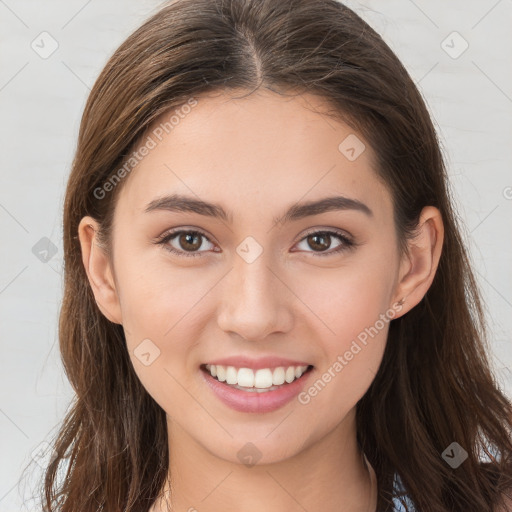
[[347, 243]]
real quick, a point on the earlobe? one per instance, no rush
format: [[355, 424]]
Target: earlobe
[[419, 266], [99, 271]]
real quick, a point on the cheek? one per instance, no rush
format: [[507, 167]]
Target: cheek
[[355, 325], [158, 311], [156, 296], [347, 299], [352, 352], [352, 304], [160, 307]]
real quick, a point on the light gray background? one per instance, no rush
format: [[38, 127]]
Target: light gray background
[[41, 102]]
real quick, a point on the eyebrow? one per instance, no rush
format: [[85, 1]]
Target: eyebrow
[[182, 203]]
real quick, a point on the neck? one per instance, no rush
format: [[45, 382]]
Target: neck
[[330, 475]]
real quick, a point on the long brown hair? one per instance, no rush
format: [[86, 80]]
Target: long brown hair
[[434, 386]]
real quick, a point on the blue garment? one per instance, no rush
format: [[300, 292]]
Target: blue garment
[[399, 506], [399, 501]]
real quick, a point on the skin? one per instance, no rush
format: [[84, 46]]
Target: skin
[[257, 156]]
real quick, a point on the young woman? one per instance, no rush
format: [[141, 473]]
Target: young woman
[[267, 300]]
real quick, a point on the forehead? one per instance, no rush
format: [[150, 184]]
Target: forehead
[[263, 150]]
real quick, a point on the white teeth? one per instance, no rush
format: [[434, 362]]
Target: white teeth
[[231, 375], [221, 373], [290, 374], [261, 379], [278, 376], [245, 377]]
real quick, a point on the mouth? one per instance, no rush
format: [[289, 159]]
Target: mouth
[[262, 380]]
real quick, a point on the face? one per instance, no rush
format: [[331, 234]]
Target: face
[[315, 288]]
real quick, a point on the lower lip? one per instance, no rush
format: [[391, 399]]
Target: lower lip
[[247, 401]]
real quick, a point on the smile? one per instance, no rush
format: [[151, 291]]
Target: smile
[[263, 379], [256, 391]]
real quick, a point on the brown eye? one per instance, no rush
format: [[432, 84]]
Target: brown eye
[[320, 241], [190, 242], [184, 243]]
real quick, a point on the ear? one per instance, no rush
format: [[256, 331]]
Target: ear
[[418, 267], [99, 272]]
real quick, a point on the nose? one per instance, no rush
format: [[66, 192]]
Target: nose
[[255, 301]]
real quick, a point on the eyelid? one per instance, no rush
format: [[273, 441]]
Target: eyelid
[[336, 231], [347, 240], [165, 237]]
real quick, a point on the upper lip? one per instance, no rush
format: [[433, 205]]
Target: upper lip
[[257, 363]]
